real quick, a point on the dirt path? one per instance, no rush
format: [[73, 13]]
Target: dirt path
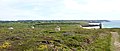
[[115, 41]]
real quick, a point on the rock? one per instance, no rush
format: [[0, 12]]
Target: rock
[[46, 42], [32, 27], [57, 29], [57, 41], [66, 34], [13, 38], [74, 49], [10, 28]]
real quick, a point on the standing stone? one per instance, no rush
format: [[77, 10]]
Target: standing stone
[[100, 25], [32, 27], [10, 28], [57, 29], [80, 25]]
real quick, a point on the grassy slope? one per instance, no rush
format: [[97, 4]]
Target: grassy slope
[[43, 37]]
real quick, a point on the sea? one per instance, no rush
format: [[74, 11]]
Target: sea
[[111, 24]]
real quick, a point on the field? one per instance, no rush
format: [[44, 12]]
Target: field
[[44, 37]]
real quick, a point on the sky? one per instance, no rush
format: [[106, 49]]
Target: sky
[[59, 9]]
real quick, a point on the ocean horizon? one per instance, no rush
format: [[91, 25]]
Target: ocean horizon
[[111, 24]]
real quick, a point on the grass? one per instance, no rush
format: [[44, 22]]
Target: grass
[[45, 38]]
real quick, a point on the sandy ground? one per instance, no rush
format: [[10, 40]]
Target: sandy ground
[[95, 27], [115, 41]]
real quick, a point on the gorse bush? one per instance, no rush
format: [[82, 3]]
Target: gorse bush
[[5, 45]]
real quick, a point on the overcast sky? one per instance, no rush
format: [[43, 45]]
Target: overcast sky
[[59, 9]]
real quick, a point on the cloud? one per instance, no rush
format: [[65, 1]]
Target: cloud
[[59, 9], [94, 5], [28, 8], [93, 9]]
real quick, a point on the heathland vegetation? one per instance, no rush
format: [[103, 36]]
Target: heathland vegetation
[[43, 37]]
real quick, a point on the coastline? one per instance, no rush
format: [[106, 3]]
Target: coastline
[[111, 24], [95, 27]]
